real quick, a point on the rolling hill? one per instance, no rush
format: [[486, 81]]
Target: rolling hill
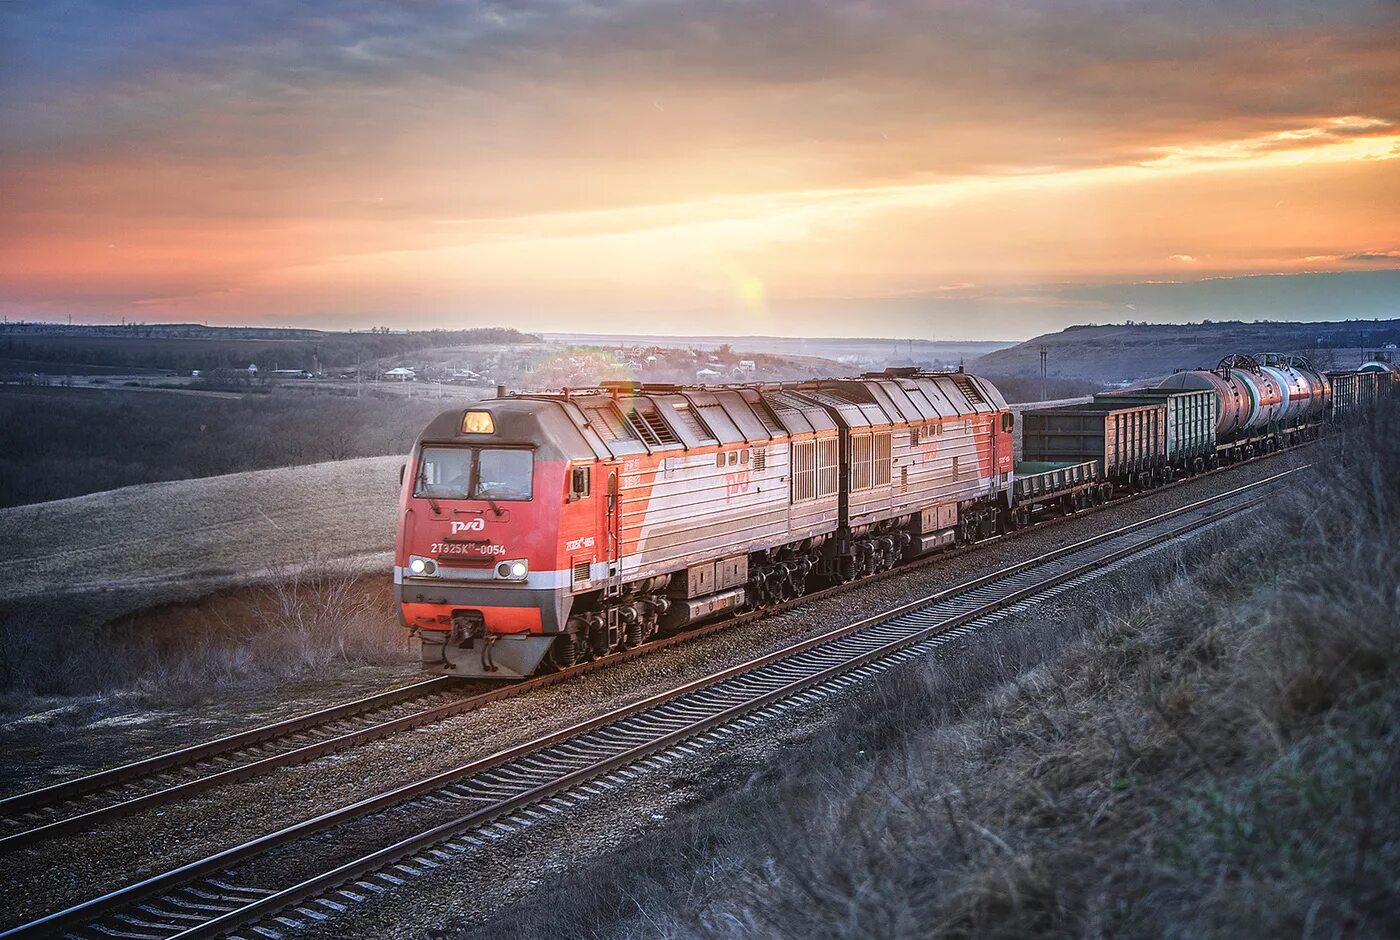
[[153, 543], [1122, 352]]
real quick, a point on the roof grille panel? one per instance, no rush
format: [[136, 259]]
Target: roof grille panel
[[691, 420], [607, 422], [650, 426], [769, 420], [969, 388]]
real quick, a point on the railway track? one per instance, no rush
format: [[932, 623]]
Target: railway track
[[77, 805], [74, 805], [306, 874]]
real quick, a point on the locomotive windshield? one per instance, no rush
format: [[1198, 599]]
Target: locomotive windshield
[[475, 473]]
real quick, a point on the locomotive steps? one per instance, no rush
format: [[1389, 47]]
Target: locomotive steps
[[543, 778]]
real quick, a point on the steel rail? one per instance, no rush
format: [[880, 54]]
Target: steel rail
[[36, 802], [95, 781], [255, 903], [31, 802]]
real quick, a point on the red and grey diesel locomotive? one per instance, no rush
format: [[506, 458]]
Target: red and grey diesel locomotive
[[540, 530]]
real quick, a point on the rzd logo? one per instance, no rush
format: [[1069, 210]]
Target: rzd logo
[[474, 525]]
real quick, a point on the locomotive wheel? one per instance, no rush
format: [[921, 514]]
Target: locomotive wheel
[[598, 640], [564, 652]]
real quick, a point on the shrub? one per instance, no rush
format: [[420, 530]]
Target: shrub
[[293, 623]]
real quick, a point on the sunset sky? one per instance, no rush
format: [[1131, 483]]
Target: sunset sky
[[947, 170]]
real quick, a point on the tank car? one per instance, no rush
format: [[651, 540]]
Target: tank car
[[1262, 402], [1249, 398], [1305, 389], [541, 530]]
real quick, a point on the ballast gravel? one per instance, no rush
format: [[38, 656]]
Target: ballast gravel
[[70, 869]]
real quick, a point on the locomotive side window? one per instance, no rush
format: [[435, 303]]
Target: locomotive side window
[[1008, 421], [475, 473], [580, 482]]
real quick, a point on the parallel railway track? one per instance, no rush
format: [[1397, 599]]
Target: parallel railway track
[[290, 878], [79, 804]]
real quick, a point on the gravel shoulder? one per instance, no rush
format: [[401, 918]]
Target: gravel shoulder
[[155, 841]]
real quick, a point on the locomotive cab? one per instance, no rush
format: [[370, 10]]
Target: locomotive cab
[[491, 497]]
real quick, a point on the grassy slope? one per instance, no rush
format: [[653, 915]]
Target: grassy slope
[[1215, 753], [173, 540]]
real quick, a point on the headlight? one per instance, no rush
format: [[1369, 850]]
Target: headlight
[[514, 570], [422, 567]]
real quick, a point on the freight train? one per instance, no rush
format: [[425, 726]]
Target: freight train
[[537, 531]]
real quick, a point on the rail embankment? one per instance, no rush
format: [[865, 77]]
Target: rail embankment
[[1213, 752]]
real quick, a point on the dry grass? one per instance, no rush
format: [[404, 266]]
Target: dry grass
[[294, 622], [1206, 751]]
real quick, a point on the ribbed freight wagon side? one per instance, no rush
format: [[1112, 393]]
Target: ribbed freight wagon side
[[1355, 392], [1191, 418], [1130, 441]]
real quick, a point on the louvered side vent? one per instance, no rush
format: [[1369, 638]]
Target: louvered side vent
[[582, 574], [969, 388], [607, 423], [691, 421], [760, 458]]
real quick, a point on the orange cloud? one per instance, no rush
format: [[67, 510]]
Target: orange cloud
[[548, 163]]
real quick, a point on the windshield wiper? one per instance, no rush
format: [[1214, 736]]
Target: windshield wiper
[[476, 483], [423, 485]]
